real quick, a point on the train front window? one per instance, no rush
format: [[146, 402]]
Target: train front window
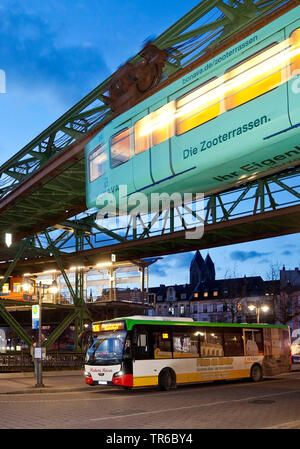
[[97, 160], [120, 148], [107, 348]]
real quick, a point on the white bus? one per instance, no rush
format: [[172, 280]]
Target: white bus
[[141, 351]]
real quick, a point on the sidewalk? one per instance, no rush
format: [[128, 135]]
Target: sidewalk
[[54, 382]]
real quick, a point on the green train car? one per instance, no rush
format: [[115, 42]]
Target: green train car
[[231, 120]]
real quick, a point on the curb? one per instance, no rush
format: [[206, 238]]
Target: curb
[[45, 390]]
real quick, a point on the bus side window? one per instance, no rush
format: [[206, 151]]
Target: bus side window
[[162, 345], [142, 346], [120, 148], [233, 342], [185, 344], [295, 43], [97, 160], [211, 342], [254, 77], [198, 106]]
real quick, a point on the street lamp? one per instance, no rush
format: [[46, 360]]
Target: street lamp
[[263, 308], [54, 290]]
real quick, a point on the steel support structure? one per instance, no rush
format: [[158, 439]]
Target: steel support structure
[[209, 28], [205, 30]]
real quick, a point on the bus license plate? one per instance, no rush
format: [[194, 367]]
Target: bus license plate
[[102, 382]]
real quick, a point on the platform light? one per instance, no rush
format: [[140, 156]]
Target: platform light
[[26, 285], [104, 264], [79, 267], [54, 288], [8, 239]]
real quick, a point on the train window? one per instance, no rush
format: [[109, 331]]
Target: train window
[[255, 76], [142, 135], [199, 106], [295, 44], [97, 159], [120, 148], [162, 121]]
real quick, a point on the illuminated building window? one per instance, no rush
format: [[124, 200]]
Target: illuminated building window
[[16, 287], [5, 288], [97, 160], [120, 148], [215, 293], [205, 294], [195, 295]]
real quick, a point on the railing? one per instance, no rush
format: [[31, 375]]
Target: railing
[[55, 360], [131, 296]]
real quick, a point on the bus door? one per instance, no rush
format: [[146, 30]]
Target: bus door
[[253, 342], [293, 34], [162, 128], [141, 160]]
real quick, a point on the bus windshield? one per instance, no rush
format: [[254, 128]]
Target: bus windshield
[[107, 348]]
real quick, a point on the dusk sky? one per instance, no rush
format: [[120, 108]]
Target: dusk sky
[[53, 53]]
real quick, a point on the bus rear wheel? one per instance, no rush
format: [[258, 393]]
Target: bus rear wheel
[[256, 374], [167, 380]]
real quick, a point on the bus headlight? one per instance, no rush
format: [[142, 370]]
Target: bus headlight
[[118, 374], [87, 374]]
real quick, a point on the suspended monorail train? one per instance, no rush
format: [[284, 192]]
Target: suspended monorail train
[[229, 121]]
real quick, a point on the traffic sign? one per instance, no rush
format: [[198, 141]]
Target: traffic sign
[[35, 316]]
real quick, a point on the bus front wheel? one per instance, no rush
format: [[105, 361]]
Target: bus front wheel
[[167, 380], [256, 374]]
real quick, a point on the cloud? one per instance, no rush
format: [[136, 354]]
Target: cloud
[[31, 56], [286, 253], [242, 256]]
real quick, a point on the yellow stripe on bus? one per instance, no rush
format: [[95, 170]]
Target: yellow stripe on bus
[[145, 381]]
